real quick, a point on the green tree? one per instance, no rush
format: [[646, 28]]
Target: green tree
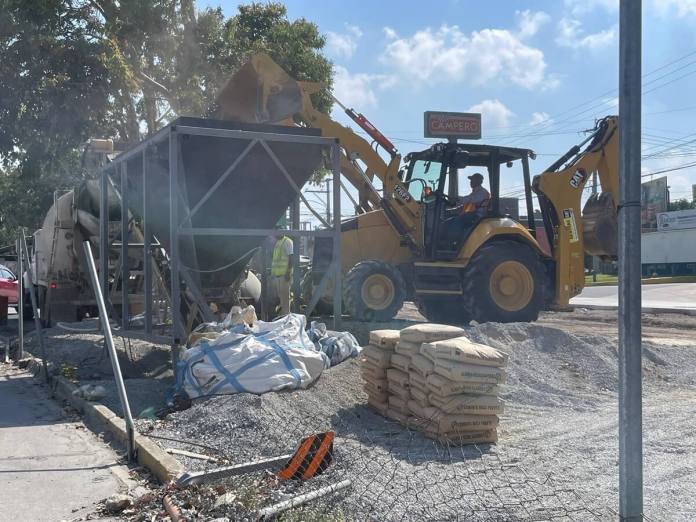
[[681, 204], [74, 69]]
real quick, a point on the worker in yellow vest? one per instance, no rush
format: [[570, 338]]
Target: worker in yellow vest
[[281, 270]]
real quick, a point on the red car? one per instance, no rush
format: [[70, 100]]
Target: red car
[[9, 287]]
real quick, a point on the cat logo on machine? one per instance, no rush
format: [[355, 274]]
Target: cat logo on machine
[[403, 194], [578, 178]]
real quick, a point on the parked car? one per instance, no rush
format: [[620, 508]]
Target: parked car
[[9, 287]]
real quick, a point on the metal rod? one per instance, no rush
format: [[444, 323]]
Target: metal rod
[[174, 246], [104, 230], [630, 402], [200, 477], [106, 327], [125, 268], [246, 135], [299, 500], [147, 244], [20, 299], [338, 274], [35, 305], [255, 232], [295, 214]]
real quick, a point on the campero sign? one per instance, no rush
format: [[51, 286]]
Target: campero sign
[[463, 125]]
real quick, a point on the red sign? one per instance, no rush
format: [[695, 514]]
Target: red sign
[[463, 125]]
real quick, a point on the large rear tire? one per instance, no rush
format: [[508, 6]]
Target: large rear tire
[[504, 282], [373, 291]]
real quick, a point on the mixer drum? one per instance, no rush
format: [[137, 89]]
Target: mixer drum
[[600, 225]]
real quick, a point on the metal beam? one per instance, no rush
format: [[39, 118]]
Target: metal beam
[[34, 304], [20, 299], [260, 232], [246, 135], [125, 268], [147, 243], [338, 274], [630, 386], [104, 229], [175, 292]]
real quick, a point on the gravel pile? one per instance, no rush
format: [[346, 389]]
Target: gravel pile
[[556, 456]]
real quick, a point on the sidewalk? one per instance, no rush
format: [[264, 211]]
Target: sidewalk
[[51, 467], [677, 297]]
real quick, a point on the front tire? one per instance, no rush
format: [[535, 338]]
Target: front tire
[[373, 291], [504, 282]]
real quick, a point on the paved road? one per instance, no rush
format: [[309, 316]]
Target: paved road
[[51, 468], [665, 296]]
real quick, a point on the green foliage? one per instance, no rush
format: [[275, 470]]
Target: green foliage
[[681, 204], [75, 69]]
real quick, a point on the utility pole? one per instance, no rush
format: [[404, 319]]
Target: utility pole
[[630, 385]]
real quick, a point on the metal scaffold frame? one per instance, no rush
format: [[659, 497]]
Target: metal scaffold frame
[[181, 213]]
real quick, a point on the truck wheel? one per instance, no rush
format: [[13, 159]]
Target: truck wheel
[[504, 282], [325, 303], [443, 311], [373, 291]]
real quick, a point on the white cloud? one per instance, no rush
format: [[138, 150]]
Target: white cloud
[[530, 22], [389, 33], [359, 90], [343, 45], [571, 34], [448, 54], [494, 114], [682, 7], [540, 117]]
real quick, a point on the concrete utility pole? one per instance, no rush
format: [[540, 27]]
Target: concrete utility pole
[[630, 402]]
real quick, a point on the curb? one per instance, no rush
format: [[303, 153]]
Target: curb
[[644, 309], [100, 419]]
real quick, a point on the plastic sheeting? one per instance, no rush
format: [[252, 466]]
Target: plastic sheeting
[[268, 356]]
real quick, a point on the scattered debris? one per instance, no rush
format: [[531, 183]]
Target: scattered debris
[[191, 454], [117, 503], [91, 392]]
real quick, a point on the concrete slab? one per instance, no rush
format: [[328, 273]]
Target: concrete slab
[[667, 297], [51, 468]]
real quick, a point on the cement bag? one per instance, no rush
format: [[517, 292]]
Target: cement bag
[[384, 338], [447, 423], [377, 356], [400, 362], [468, 404], [462, 350], [422, 412], [462, 439], [378, 405], [376, 387], [416, 380], [265, 357], [399, 391], [428, 332], [398, 404], [446, 388], [376, 395], [370, 372], [407, 348], [460, 372], [421, 365], [419, 395], [399, 377]]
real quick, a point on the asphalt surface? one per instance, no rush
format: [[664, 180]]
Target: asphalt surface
[[680, 296], [51, 467]]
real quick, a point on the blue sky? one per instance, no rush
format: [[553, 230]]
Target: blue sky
[[540, 72]]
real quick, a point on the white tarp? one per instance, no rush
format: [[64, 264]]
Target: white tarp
[[264, 357]]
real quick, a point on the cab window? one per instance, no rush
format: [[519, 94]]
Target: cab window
[[428, 171]]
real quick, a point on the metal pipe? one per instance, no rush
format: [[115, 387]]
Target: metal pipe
[[35, 305], [295, 213], [104, 229], [125, 268], [338, 274], [299, 500], [147, 244], [201, 477], [630, 402], [118, 377], [174, 246], [20, 299]]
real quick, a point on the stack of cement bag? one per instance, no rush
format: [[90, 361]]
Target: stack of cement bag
[[443, 384], [376, 359]]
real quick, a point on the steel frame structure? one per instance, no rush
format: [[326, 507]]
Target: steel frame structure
[[180, 219]]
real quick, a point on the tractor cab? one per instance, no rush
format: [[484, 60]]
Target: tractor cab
[[439, 178]]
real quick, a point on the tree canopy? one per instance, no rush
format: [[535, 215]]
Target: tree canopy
[[75, 69]]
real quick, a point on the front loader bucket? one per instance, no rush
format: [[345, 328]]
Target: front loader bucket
[[600, 225], [260, 92]]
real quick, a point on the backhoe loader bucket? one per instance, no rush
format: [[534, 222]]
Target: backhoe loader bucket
[[600, 225], [260, 92]]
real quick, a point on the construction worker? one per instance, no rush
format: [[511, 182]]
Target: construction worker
[[281, 270], [477, 201]]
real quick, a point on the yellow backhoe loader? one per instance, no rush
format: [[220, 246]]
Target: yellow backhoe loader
[[410, 241]]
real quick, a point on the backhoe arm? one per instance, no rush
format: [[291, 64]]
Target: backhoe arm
[[560, 189]]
